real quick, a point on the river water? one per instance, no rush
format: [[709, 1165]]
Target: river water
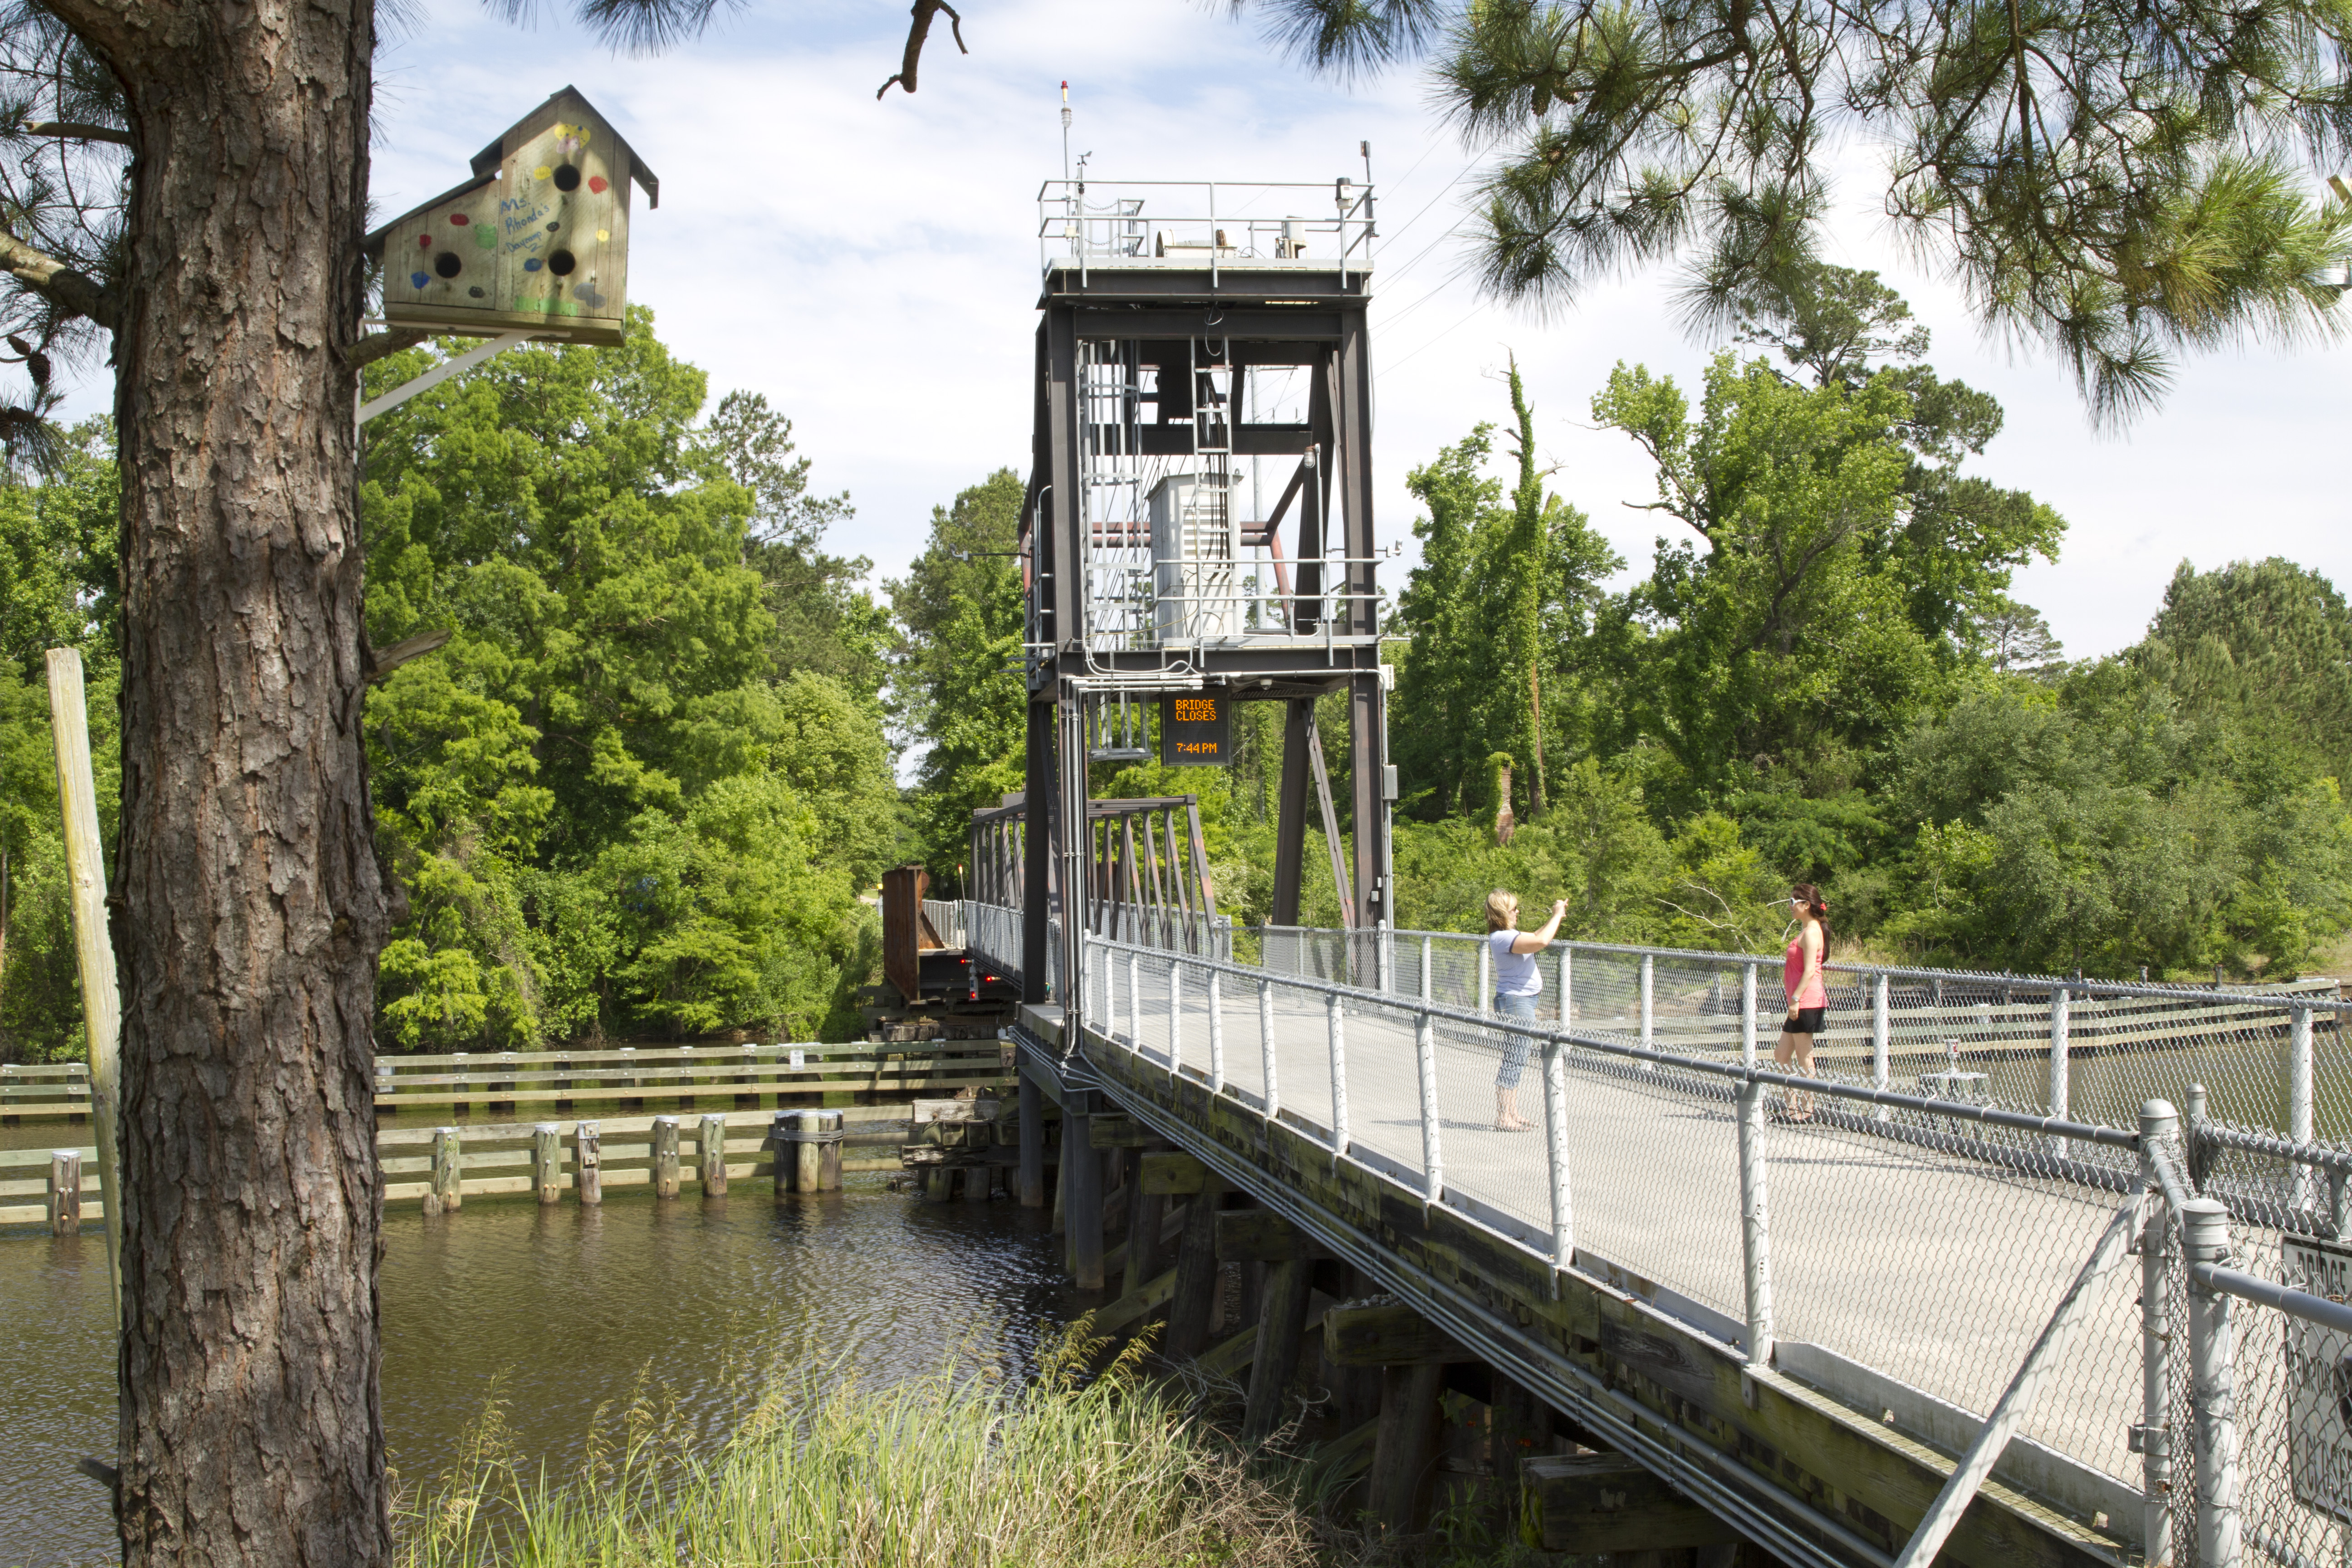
[[558, 1312]]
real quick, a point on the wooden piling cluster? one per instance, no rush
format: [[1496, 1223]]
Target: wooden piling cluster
[[1406, 1421]]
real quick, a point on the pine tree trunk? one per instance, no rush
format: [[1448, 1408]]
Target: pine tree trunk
[[247, 906]]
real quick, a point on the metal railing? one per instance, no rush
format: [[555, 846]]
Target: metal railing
[[1261, 224], [2272, 1062], [1918, 1254]]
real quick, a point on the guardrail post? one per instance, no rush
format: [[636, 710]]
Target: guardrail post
[[1424, 966], [1882, 1030], [1387, 940], [2298, 1103], [2212, 1356], [448, 1173], [458, 1104], [1567, 974], [1335, 1033], [1134, 1001], [1216, 1034], [2058, 1084], [1266, 1047], [588, 1158], [1747, 1015], [2153, 1436], [64, 1191], [710, 1154], [1109, 1019], [1649, 979], [664, 1156], [1424, 1051], [1175, 1014], [1486, 973], [1755, 1223], [546, 1161], [2194, 1152], [1563, 1211]]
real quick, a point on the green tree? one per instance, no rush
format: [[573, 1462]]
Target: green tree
[[957, 685], [2268, 642], [602, 794]]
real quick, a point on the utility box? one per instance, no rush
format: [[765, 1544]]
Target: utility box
[[536, 240], [1195, 549]]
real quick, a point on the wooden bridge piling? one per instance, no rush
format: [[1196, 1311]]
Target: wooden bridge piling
[[1033, 1143], [1082, 1172], [446, 1194], [1195, 1300], [547, 1162], [64, 1191]]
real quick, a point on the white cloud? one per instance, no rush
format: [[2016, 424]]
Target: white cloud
[[872, 268]]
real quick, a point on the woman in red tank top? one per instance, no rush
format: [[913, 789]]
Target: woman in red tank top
[[1809, 999]]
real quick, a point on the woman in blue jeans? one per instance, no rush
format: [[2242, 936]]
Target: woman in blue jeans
[[1518, 983]]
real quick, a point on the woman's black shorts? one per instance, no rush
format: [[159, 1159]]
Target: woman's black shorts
[[1805, 1020]]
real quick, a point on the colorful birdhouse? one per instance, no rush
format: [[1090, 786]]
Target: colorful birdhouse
[[537, 240]]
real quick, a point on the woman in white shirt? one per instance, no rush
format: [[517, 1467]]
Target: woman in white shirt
[[1518, 982]]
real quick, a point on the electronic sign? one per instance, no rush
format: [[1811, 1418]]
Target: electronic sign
[[1196, 729]]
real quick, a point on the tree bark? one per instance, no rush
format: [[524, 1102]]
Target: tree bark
[[247, 908]]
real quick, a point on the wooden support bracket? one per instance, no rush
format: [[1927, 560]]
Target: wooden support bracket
[[1119, 1133], [1606, 1502], [1173, 1175], [1262, 1235], [1386, 1333]]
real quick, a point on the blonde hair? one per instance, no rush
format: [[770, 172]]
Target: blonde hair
[[1502, 911]]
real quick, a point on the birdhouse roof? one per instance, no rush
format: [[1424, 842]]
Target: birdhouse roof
[[485, 162]]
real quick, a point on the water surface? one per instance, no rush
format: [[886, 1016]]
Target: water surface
[[558, 1312]]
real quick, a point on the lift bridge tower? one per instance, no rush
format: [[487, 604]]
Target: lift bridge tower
[[1197, 531]]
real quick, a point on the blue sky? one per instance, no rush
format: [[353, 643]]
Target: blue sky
[[872, 268]]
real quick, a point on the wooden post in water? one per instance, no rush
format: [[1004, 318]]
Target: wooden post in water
[[710, 1146], [1281, 1326], [828, 1161], [64, 1191], [664, 1156], [102, 995], [628, 1079], [1032, 1144], [588, 1152], [977, 1182], [449, 1194], [1082, 1171], [458, 1104], [547, 1160], [938, 1184]]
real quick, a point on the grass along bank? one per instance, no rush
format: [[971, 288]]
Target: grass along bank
[[953, 1470]]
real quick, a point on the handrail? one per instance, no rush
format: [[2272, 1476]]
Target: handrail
[[2295, 1303], [2148, 991], [2088, 1132]]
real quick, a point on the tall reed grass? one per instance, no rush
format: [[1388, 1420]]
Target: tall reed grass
[[955, 1470]]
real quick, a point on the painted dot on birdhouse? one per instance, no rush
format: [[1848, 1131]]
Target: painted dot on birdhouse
[[419, 279], [542, 173], [487, 238], [597, 184], [423, 242], [603, 234], [460, 219], [531, 266]]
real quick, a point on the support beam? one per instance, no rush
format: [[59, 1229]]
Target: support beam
[[1290, 815], [1404, 1448], [1281, 1327]]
